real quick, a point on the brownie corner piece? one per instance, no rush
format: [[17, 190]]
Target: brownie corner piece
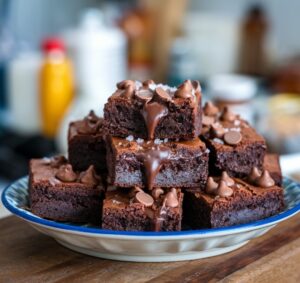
[[158, 163], [58, 193], [86, 143], [126, 209], [149, 111]]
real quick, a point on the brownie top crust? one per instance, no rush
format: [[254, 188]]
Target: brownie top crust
[[89, 125], [155, 101], [57, 171], [156, 205], [225, 129]]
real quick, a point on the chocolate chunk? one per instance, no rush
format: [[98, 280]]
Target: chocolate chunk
[[157, 192], [134, 191], [211, 186], [210, 109], [90, 125], [232, 137], [227, 115], [254, 174], [185, 90], [217, 131], [144, 199], [125, 84], [207, 120], [57, 161], [265, 180], [223, 190], [171, 199], [92, 117], [65, 173], [162, 94], [147, 83], [144, 94], [89, 177], [225, 177], [152, 113]]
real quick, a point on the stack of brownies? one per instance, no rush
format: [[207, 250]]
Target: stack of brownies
[[158, 160]]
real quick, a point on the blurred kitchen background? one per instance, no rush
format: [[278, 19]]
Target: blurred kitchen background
[[59, 59]]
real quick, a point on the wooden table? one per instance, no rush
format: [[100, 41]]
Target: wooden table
[[28, 256]]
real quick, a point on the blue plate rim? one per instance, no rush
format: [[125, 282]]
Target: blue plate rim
[[98, 231]]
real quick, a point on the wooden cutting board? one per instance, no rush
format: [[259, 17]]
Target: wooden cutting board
[[29, 256]]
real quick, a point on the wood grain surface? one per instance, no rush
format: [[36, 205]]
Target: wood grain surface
[[28, 256]]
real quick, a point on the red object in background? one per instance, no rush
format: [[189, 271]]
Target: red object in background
[[53, 43]]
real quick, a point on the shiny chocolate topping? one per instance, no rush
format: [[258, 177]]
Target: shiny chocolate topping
[[162, 94], [157, 192], [126, 88], [254, 174], [207, 120], [265, 180], [217, 131], [210, 109], [232, 137], [134, 191], [153, 112], [185, 90], [66, 174], [89, 177], [90, 124], [147, 83], [153, 157], [224, 190], [145, 199], [171, 199], [57, 161]]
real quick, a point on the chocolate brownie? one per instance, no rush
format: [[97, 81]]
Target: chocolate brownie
[[234, 145], [158, 163], [86, 144], [231, 201], [136, 210], [58, 193], [271, 163], [151, 111]]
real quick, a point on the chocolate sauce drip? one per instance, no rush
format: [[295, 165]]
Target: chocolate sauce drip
[[152, 113], [153, 157]]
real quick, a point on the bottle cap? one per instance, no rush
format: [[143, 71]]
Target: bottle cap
[[53, 43]]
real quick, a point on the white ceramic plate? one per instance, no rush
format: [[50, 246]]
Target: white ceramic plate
[[148, 246]]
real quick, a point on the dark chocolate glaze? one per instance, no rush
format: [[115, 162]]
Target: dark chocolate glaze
[[153, 157]]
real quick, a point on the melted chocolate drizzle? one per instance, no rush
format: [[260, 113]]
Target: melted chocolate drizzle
[[153, 158], [152, 113]]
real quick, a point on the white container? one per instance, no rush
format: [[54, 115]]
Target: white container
[[23, 92]]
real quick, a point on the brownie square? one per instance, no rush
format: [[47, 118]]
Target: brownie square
[[271, 163], [86, 144], [247, 203], [235, 147], [151, 111], [135, 210], [58, 193], [156, 163]]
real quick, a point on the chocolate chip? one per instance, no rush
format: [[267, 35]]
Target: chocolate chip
[[211, 186], [265, 180], [92, 117], [207, 120], [162, 94], [89, 177], [227, 115], [144, 94], [210, 109], [144, 199], [125, 84], [232, 137], [171, 199], [65, 173], [57, 161], [147, 83], [134, 191], [185, 90], [157, 192], [223, 190], [217, 131], [254, 174], [225, 177]]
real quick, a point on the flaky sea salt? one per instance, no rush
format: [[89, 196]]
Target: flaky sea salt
[[218, 141], [130, 138], [138, 85], [140, 140], [158, 141]]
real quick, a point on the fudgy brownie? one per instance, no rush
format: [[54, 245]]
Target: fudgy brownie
[[231, 201], [86, 144], [158, 163], [58, 193], [148, 110], [271, 163], [136, 210], [234, 145]]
